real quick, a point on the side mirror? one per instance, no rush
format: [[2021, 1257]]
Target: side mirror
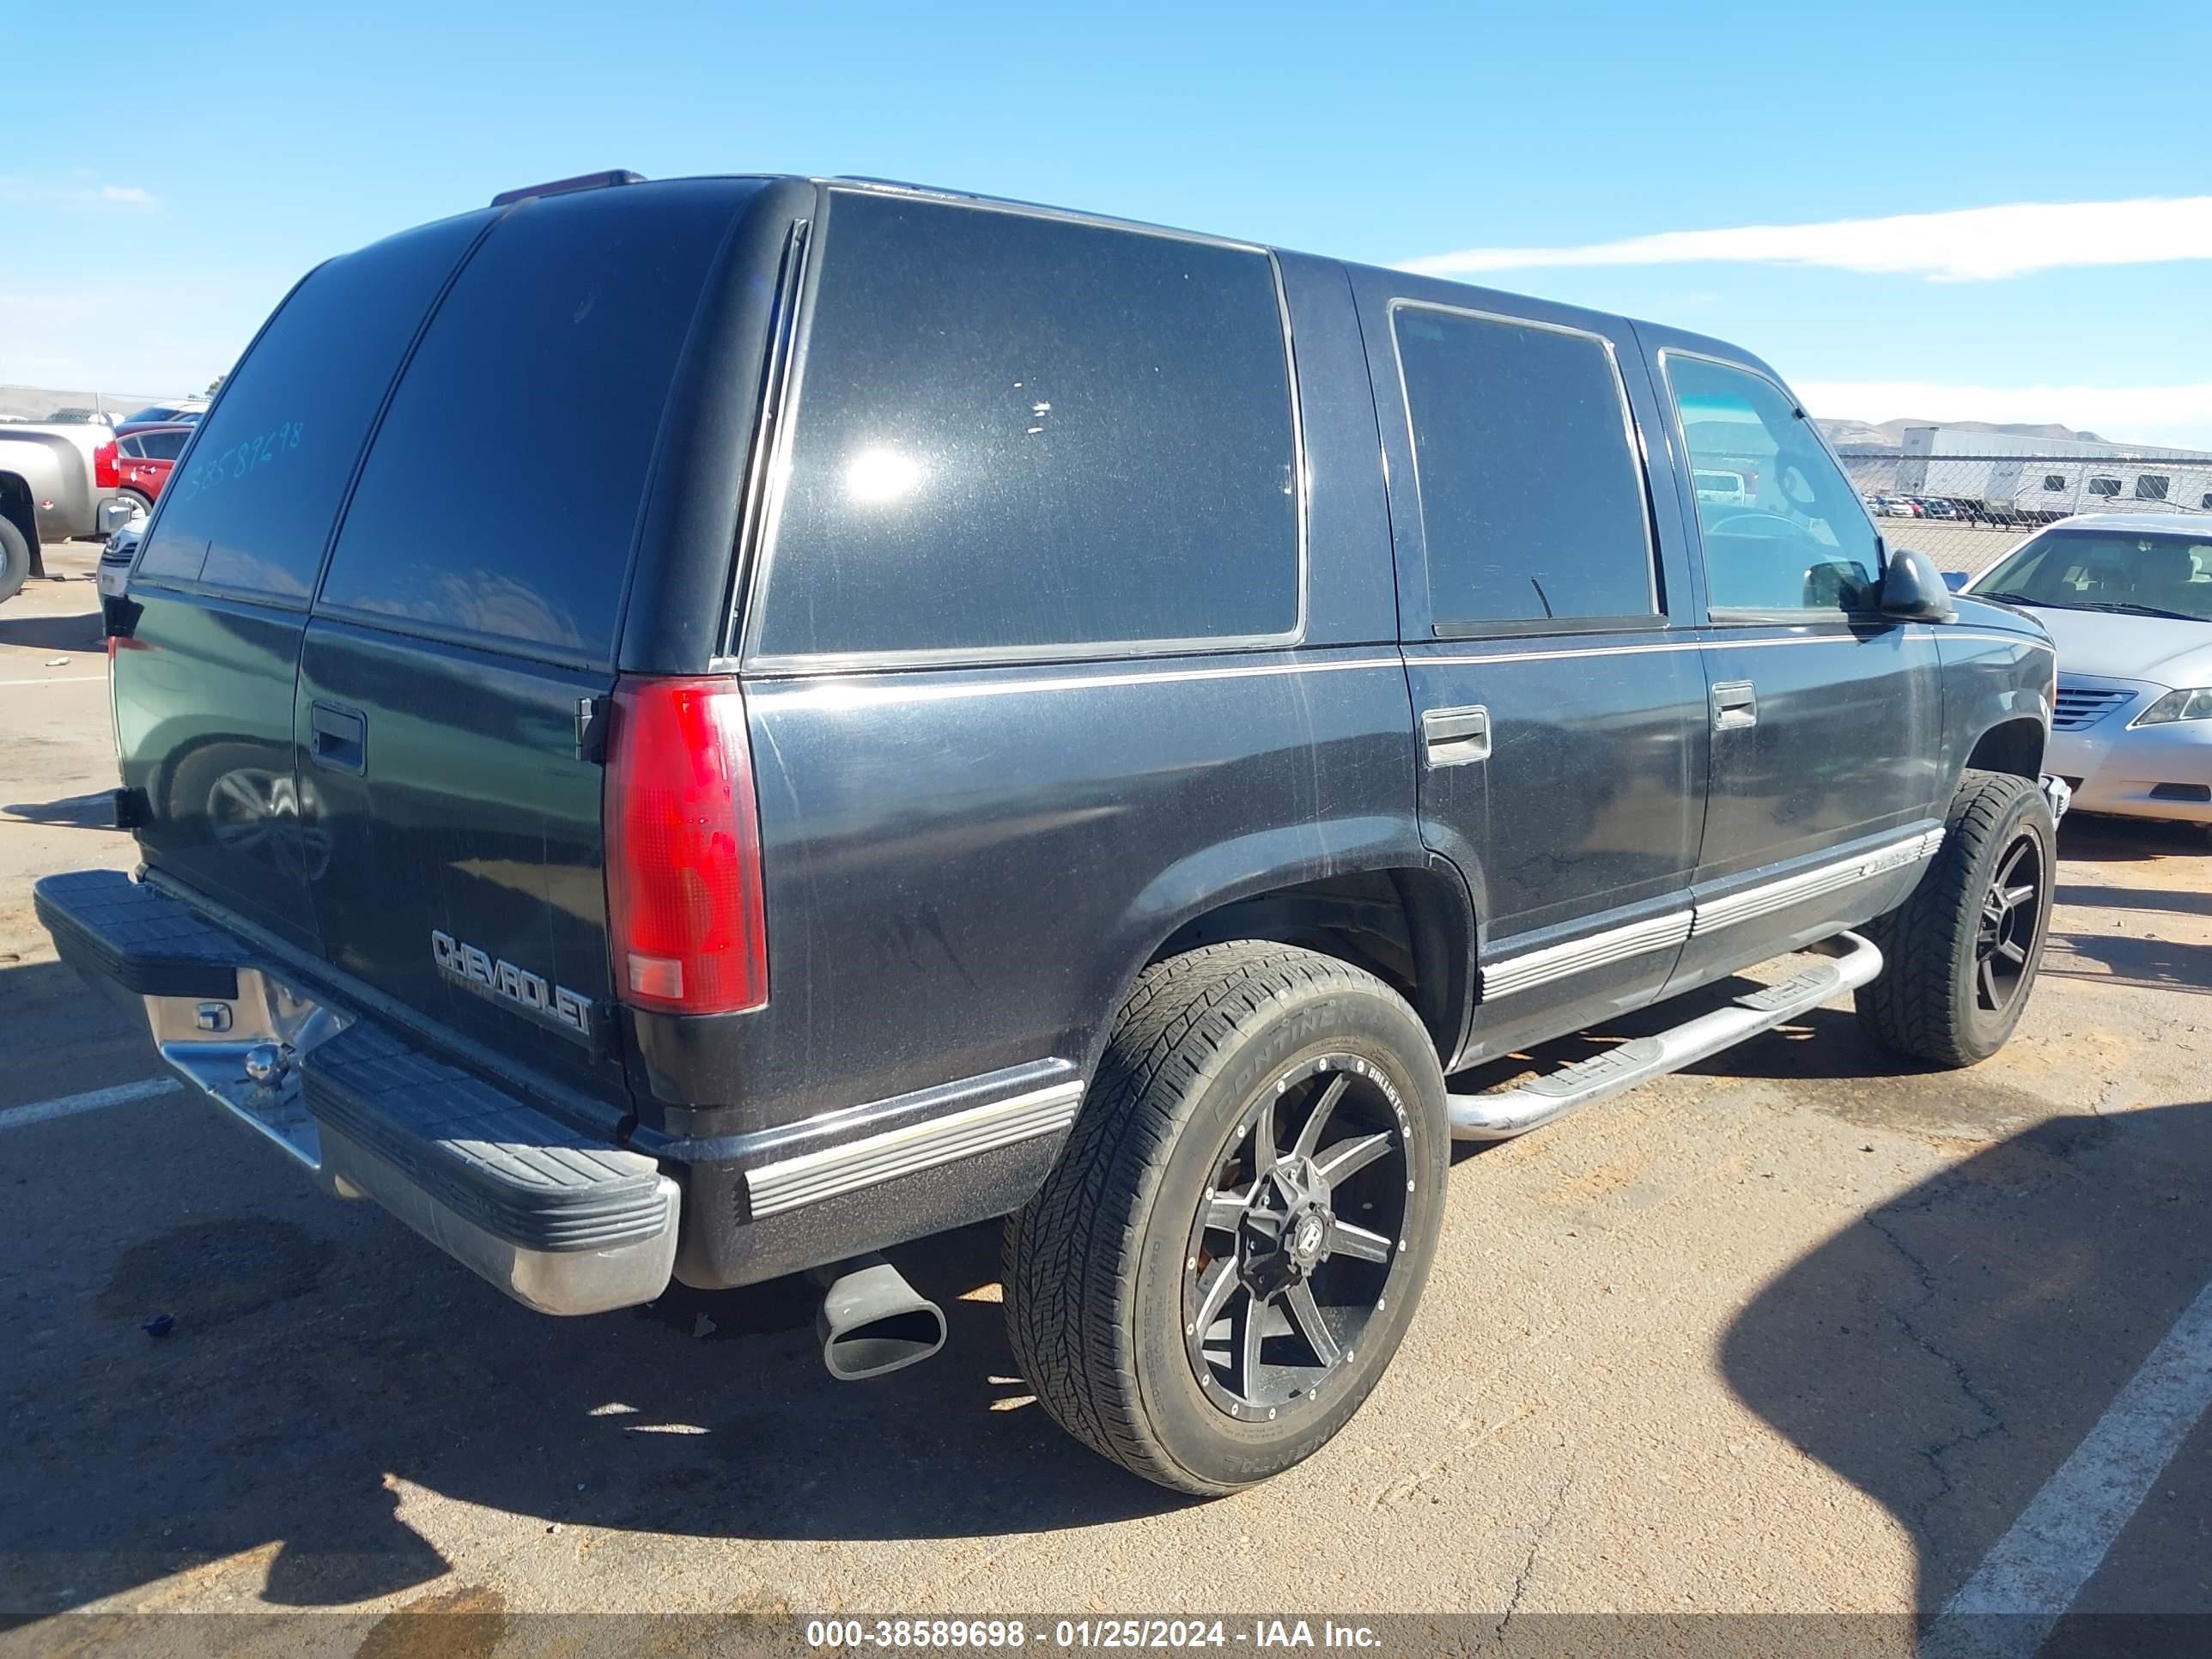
[[1956, 580], [1913, 590]]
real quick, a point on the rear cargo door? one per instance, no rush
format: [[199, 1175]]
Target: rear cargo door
[[207, 652], [467, 626]]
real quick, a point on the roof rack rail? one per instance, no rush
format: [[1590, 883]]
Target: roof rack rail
[[564, 186]]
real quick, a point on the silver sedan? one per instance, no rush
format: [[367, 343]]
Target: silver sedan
[[2128, 599]]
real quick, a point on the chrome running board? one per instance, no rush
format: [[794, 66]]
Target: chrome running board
[[1509, 1112]]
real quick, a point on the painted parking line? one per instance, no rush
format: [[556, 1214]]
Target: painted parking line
[[58, 679], [45, 1111], [2036, 1569]]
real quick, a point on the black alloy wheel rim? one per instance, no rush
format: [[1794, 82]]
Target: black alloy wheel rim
[[1299, 1236], [2004, 939]]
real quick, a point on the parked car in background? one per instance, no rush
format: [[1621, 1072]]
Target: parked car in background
[[2128, 598], [825, 805], [114, 573], [58, 480], [144, 458], [1721, 489], [182, 411], [1894, 506]]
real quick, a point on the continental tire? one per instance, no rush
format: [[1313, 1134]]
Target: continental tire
[[14, 560], [1961, 953], [1230, 1248]]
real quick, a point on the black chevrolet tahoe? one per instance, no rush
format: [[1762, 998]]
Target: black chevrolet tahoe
[[704, 729]]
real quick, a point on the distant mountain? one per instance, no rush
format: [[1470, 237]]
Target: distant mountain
[[1887, 437]]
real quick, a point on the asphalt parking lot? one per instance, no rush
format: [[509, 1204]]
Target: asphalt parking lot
[[1796, 1333]]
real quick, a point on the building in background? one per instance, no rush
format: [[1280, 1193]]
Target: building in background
[[2052, 476]]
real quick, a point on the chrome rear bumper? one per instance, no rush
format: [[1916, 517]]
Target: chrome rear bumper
[[562, 1222]]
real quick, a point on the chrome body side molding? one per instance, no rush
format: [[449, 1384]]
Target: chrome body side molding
[[811, 1177], [1771, 896], [1533, 968], [1530, 969]]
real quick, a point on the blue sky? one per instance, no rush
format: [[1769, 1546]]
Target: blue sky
[[239, 145]]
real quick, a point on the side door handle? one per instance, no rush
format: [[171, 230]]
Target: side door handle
[[1736, 705], [339, 738], [1454, 737]]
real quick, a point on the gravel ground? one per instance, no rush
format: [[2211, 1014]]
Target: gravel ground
[[1798, 1331]]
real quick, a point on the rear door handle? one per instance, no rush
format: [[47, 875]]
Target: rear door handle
[[1454, 737], [339, 737], [1736, 705]]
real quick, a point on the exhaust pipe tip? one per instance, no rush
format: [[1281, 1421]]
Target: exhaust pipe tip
[[872, 1323]]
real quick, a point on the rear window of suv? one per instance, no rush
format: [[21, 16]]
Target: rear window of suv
[[501, 496], [253, 510], [1023, 435]]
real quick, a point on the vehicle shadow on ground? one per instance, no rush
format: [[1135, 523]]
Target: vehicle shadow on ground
[[78, 633], [93, 811], [1949, 1350], [2127, 840], [2149, 964], [318, 1361], [2091, 895]]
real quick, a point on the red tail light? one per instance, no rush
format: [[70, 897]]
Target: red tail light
[[684, 919], [106, 474]]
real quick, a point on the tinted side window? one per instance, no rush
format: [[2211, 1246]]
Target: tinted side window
[[1532, 501], [161, 446], [501, 495], [254, 509], [128, 449], [1019, 432], [1796, 538]]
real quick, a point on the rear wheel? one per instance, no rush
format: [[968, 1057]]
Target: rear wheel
[[1962, 954], [15, 559], [140, 502], [1228, 1252]]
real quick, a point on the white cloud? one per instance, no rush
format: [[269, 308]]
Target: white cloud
[[72, 193], [2176, 415], [1970, 245]]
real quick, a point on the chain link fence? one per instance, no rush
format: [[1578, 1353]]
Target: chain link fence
[[1966, 512], [50, 404]]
